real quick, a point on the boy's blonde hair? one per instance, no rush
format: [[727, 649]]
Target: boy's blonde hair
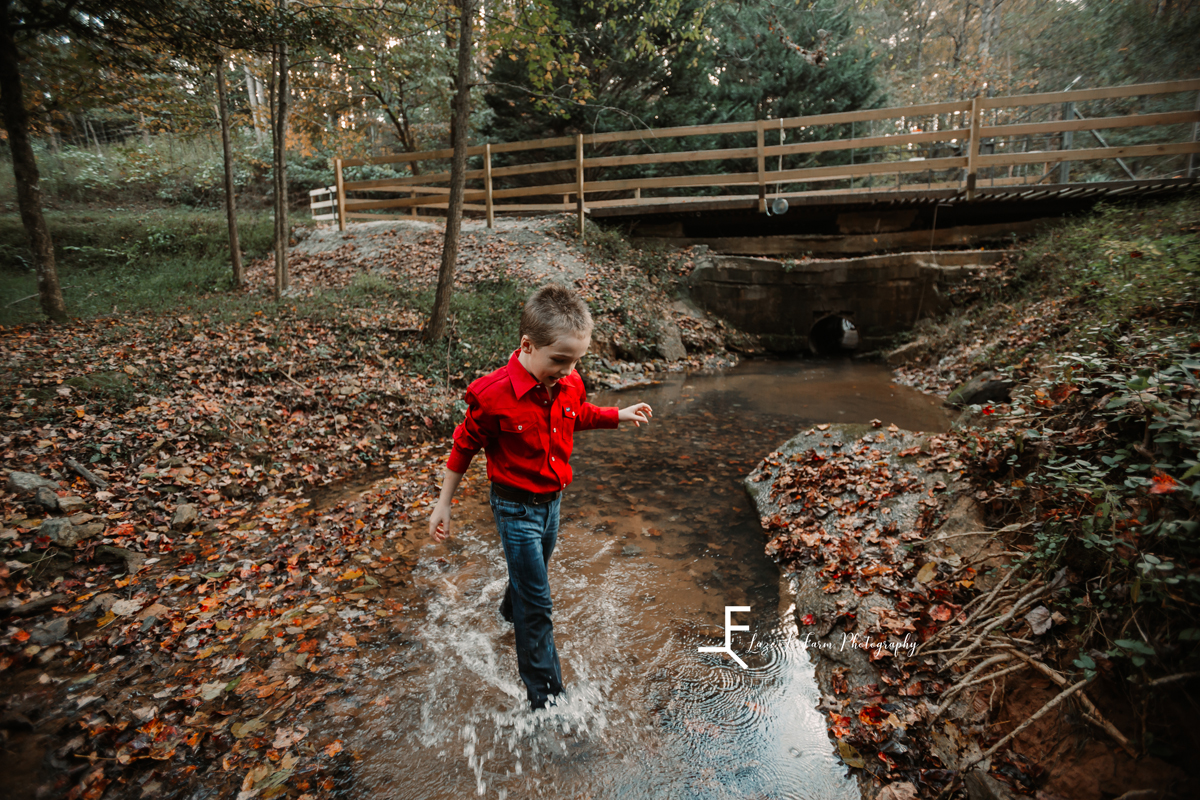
[[553, 311]]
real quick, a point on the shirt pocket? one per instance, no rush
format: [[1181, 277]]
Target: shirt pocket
[[519, 435]]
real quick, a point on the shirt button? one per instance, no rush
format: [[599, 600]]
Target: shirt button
[[556, 430], [520, 427], [551, 458]]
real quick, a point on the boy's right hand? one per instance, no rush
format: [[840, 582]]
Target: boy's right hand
[[439, 523]]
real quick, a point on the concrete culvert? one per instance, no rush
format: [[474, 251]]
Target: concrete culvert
[[832, 335]]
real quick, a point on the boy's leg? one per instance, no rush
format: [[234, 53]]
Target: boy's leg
[[506, 604], [528, 534]]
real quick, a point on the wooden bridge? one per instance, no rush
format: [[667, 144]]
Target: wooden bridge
[[1031, 147]]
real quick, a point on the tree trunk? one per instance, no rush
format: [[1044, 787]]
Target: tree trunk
[[25, 173], [53, 131], [235, 247], [402, 126], [256, 104], [996, 15], [960, 37], [436, 328], [986, 9], [95, 139], [281, 196]]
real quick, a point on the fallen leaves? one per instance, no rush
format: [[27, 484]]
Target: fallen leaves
[[262, 478], [854, 516]]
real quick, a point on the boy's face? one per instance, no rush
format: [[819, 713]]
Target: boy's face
[[550, 364]]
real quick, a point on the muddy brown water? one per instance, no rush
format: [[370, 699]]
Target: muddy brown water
[[657, 538]]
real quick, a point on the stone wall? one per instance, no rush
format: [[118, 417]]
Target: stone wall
[[780, 301]]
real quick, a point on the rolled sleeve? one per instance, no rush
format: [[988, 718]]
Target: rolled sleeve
[[471, 435]]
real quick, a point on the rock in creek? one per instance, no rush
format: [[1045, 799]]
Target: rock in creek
[[46, 498], [62, 533], [59, 531], [670, 344], [72, 504], [52, 632], [25, 483], [185, 517], [983, 388], [907, 352]]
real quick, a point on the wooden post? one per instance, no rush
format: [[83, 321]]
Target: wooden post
[[973, 148], [761, 129], [487, 184], [1068, 139], [637, 192], [579, 181], [341, 194], [1195, 136], [851, 157]]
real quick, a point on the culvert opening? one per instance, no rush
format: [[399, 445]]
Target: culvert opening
[[832, 335]]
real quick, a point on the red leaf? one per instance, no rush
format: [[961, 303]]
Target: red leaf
[[872, 715], [841, 724], [1163, 484], [941, 613]]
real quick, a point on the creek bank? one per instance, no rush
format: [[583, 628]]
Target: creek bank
[[1076, 367], [934, 638], [868, 525], [635, 297]]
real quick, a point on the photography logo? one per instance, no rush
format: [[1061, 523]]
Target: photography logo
[[729, 629]]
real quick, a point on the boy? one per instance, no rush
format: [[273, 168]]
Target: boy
[[523, 415]]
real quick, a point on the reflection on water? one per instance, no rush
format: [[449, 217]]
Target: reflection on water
[[657, 538]]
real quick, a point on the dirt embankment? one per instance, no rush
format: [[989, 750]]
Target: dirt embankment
[[929, 633], [1002, 611], [644, 323]]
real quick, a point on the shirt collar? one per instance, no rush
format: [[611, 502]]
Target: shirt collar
[[521, 380]]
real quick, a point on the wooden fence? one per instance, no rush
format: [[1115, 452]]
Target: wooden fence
[[963, 145]]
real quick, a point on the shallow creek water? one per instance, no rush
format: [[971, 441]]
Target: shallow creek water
[[657, 538]]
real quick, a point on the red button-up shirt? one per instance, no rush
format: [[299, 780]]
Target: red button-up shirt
[[525, 432]]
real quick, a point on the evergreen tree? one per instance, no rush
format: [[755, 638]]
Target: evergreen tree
[[754, 61], [636, 73]]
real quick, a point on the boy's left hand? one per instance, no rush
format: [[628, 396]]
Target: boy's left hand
[[637, 414]]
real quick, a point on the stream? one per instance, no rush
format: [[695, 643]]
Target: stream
[[657, 538]]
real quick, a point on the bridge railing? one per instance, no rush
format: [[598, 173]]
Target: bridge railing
[[959, 146]]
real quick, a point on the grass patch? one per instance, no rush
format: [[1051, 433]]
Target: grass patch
[[483, 330], [657, 262], [177, 261], [133, 261], [1122, 261]]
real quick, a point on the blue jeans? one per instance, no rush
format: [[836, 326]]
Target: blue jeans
[[528, 534]]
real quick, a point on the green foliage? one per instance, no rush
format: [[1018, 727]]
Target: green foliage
[[1100, 453], [744, 68], [482, 329], [1123, 260], [1125, 42], [133, 261], [614, 66], [170, 171], [760, 74]]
